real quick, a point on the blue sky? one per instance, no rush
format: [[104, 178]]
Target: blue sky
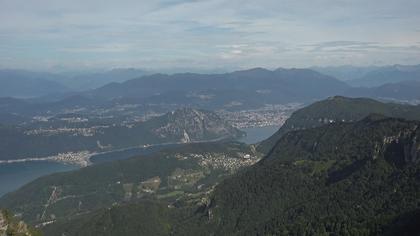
[[211, 34]]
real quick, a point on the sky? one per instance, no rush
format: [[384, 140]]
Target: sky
[[208, 34]]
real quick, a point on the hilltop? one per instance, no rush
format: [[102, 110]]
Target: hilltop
[[339, 109], [344, 178]]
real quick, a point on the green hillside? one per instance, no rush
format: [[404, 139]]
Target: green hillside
[[341, 179], [148, 217], [358, 178], [339, 109], [188, 172]]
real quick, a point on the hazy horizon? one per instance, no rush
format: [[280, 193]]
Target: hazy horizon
[[180, 70]]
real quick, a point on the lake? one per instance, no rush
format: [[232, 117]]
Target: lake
[[15, 175], [120, 155], [257, 134]]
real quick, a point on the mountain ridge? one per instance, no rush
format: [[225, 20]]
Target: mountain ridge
[[321, 168], [339, 109], [287, 80]]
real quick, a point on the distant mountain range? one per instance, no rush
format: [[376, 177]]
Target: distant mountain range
[[252, 87], [386, 75], [87, 81], [404, 91], [233, 91], [17, 83], [345, 72], [236, 90], [22, 83], [373, 76]]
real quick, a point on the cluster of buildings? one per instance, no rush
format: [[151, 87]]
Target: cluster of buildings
[[269, 115], [74, 158], [86, 132], [221, 160]]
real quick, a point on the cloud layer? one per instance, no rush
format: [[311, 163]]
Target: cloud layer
[[203, 34]]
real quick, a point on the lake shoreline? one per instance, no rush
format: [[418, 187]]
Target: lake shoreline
[[17, 173]]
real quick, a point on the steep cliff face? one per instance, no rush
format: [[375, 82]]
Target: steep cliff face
[[190, 125], [402, 148]]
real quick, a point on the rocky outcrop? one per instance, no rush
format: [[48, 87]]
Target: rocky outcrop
[[11, 226], [402, 148], [192, 125]]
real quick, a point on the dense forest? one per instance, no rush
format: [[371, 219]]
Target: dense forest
[[339, 109], [359, 178], [342, 179], [349, 173]]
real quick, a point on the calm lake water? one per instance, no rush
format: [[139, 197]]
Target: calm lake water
[[15, 175], [120, 155], [255, 135]]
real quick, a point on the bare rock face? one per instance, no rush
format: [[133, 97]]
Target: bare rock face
[[191, 125], [403, 148], [11, 226], [3, 224]]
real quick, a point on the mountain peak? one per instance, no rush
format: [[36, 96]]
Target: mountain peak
[[253, 72], [255, 69], [339, 98]]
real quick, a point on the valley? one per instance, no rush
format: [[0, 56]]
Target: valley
[[198, 184], [167, 175], [16, 173], [43, 137], [247, 152]]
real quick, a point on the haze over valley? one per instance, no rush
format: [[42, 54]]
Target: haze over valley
[[216, 117]]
